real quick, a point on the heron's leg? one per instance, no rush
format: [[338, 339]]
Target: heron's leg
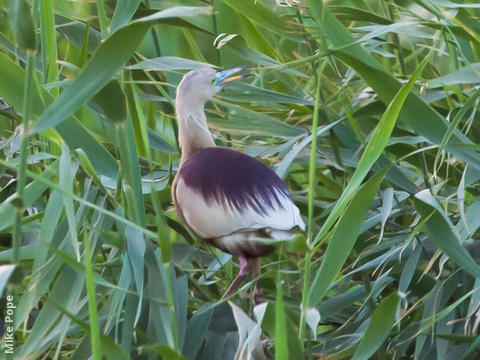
[[257, 290], [240, 277]]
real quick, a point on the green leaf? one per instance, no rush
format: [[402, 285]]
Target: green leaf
[[105, 63], [67, 174], [454, 5], [355, 13], [5, 273], [373, 150], [65, 292], [167, 353], [168, 63], [471, 102], [12, 80], [131, 172], [196, 329], [241, 92], [382, 321], [443, 234], [409, 269], [50, 219], [92, 302], [109, 348], [281, 343], [258, 13], [32, 192], [138, 121], [75, 33], [241, 120], [433, 125], [28, 253], [49, 42], [136, 252], [111, 100], [78, 267], [473, 346], [282, 168], [158, 143], [469, 74], [109, 58], [20, 16], [343, 239], [124, 10]]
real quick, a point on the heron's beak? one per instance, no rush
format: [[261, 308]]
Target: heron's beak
[[224, 77]]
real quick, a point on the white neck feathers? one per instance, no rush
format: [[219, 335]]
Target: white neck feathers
[[193, 133]]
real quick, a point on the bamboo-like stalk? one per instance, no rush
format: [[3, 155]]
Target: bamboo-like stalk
[[311, 197], [102, 18], [49, 42], [22, 166], [132, 207], [171, 306], [162, 233], [92, 303]]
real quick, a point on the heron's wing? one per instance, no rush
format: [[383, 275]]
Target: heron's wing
[[221, 191]]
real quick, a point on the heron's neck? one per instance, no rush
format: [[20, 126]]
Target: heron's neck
[[193, 133]]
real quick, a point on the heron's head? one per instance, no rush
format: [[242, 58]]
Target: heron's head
[[198, 86]]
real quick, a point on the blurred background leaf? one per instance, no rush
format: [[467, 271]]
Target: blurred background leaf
[[395, 274]]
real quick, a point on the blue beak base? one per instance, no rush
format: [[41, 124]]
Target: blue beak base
[[224, 77]]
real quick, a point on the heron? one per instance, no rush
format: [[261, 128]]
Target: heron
[[228, 199]]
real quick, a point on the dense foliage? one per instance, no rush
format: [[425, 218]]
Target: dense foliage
[[366, 108]]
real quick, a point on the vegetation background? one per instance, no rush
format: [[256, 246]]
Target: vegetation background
[[366, 108]]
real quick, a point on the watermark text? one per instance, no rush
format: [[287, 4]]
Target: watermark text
[[9, 330]]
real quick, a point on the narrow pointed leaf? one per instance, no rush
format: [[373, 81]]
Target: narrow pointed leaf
[[442, 233], [109, 58], [382, 321], [5, 272], [433, 125], [124, 10], [12, 78], [373, 150], [281, 343], [343, 239]]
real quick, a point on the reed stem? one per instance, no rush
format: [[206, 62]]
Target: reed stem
[[19, 202]]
